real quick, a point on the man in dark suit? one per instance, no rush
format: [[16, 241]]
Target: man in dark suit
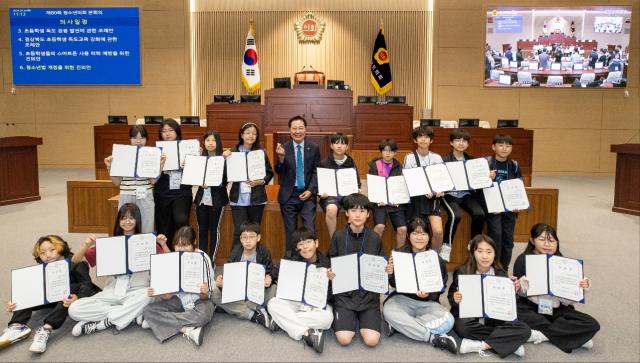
[[296, 168]]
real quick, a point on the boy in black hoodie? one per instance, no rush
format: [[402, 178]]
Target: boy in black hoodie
[[250, 250], [358, 306], [299, 320], [337, 159]]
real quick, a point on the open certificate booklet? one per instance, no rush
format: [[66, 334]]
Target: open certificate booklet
[[243, 166], [340, 182], [506, 196], [556, 276], [303, 282], [124, 254], [417, 271], [178, 272], [135, 161], [203, 170], [487, 296], [177, 151], [243, 281], [470, 174], [359, 271], [40, 284], [428, 179], [391, 191]]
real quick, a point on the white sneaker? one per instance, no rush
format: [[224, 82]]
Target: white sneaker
[[14, 334], [145, 325], [520, 351], [194, 334], [537, 337], [588, 345], [139, 320], [470, 346], [39, 344]]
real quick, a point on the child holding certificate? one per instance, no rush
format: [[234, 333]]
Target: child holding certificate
[[387, 166], [420, 316], [359, 307], [210, 201], [138, 191], [173, 200], [552, 318], [249, 250], [124, 296], [337, 159], [299, 320], [185, 313], [468, 200], [501, 226], [48, 249], [481, 334], [426, 206], [248, 199]]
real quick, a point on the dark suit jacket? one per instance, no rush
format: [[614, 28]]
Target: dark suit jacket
[[287, 170]]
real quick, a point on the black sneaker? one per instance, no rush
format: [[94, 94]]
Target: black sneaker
[[445, 342], [315, 339], [390, 330], [261, 317]]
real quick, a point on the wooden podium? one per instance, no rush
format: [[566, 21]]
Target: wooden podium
[[19, 169], [627, 195]]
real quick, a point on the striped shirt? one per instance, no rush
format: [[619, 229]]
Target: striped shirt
[[129, 185]]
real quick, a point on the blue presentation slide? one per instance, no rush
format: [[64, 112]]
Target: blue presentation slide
[[66, 46], [508, 24]]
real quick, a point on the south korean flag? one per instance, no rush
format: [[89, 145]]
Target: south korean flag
[[250, 69]]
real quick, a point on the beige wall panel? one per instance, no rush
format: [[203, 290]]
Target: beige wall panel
[[310, 5], [6, 4], [460, 66], [633, 73], [7, 130], [456, 102], [163, 30], [70, 104], [7, 73], [461, 28], [17, 108], [1, 73], [65, 145], [147, 5], [609, 137], [160, 67], [566, 150], [152, 100], [621, 112], [561, 109], [5, 35], [459, 4]]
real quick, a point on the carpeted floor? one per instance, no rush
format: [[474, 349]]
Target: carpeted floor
[[608, 242]]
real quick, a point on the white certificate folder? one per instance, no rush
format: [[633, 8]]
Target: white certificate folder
[[556, 276], [40, 284], [487, 296], [243, 281], [124, 254], [303, 282], [178, 272], [359, 272], [506, 196], [135, 161]]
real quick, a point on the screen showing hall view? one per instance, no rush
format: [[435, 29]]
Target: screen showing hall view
[[557, 47]]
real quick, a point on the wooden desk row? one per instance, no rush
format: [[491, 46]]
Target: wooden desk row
[[93, 206]]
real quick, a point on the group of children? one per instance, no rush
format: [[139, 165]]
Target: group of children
[[419, 316]]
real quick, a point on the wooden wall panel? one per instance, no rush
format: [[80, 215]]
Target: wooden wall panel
[[577, 124], [18, 108], [612, 137], [344, 52], [73, 105], [66, 146]]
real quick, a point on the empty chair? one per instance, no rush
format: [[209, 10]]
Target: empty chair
[[495, 74], [586, 78], [524, 77], [555, 81], [614, 77]]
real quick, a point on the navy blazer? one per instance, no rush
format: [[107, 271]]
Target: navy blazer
[[287, 170]]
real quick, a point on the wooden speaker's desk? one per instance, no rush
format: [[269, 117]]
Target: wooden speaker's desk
[[627, 194], [19, 169]]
